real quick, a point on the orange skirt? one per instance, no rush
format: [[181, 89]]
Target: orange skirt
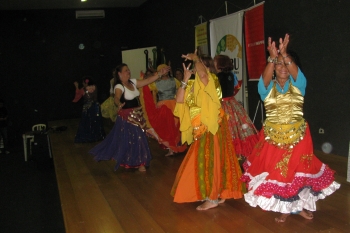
[[210, 169]]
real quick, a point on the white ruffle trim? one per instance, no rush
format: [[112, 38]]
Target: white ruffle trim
[[307, 200]]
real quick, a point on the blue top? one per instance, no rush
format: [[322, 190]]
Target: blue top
[[300, 83]]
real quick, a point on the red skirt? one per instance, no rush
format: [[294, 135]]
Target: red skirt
[[286, 180]]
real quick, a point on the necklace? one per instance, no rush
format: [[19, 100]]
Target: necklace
[[282, 88]]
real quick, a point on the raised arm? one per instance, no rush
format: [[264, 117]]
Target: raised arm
[[287, 60], [200, 67], [273, 52], [154, 77], [181, 91]]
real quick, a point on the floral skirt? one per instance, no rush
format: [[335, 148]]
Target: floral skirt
[[286, 180], [243, 131], [210, 169], [126, 143]]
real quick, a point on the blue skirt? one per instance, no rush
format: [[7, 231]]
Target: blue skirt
[[126, 144]]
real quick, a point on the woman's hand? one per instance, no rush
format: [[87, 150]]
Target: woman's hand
[[76, 85], [191, 56], [283, 45], [187, 72], [271, 47], [164, 70]]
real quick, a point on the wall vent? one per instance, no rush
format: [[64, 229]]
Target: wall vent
[[90, 14]]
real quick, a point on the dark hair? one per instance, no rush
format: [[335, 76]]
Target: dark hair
[[116, 76], [223, 63], [208, 62], [88, 81], [179, 69]]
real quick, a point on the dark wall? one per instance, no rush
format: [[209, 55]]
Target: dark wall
[[320, 35], [40, 59]]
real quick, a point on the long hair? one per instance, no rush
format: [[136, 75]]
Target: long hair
[[208, 62], [116, 76]]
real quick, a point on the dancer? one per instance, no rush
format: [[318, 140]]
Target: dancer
[[127, 143], [164, 91], [282, 173], [210, 171], [243, 131], [90, 128]]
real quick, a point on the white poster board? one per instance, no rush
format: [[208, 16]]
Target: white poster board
[[136, 60], [226, 39]]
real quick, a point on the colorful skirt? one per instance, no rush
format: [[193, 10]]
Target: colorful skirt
[[243, 132], [90, 127], [127, 142], [286, 180], [210, 169]]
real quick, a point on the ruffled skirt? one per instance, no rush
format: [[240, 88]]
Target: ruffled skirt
[[243, 132], [90, 127], [286, 180], [210, 170], [126, 143]]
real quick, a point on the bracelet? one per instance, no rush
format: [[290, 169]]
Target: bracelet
[[183, 85], [159, 75], [271, 60], [288, 63], [285, 56]]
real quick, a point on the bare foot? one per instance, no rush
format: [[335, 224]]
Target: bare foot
[[221, 201], [206, 205], [306, 214], [142, 168], [282, 218], [170, 153]]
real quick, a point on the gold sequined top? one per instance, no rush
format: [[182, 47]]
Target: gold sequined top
[[284, 125], [284, 108]]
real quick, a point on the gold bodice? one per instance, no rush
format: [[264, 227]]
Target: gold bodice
[[284, 108], [284, 125]]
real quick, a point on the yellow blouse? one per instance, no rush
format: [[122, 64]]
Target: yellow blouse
[[199, 99]]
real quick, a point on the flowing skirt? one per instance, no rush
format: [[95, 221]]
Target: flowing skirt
[[210, 170], [243, 132], [286, 180], [163, 121], [90, 128], [126, 143]]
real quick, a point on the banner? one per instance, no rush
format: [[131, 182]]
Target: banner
[[201, 38], [254, 41], [226, 39]]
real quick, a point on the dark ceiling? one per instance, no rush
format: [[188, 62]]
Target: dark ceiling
[[67, 4]]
